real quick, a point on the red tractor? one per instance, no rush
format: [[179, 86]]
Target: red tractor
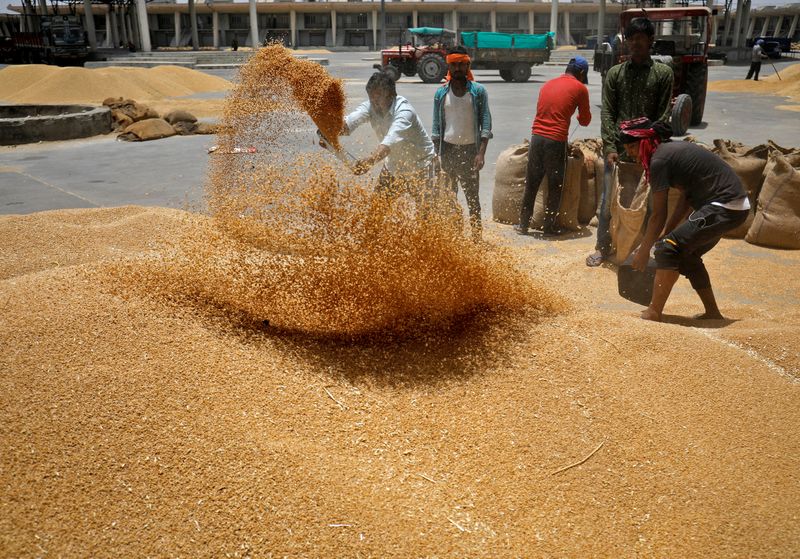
[[681, 42], [424, 55]]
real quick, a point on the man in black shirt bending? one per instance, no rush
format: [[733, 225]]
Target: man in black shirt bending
[[710, 190]]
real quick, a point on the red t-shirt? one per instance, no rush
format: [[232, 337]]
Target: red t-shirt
[[558, 100]]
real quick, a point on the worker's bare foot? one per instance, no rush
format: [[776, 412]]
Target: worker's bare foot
[[709, 316], [650, 314], [595, 259]]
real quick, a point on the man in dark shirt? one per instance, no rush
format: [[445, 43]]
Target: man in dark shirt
[[547, 154], [709, 188], [638, 87]]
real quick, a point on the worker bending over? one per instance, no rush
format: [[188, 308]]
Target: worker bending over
[[709, 189]]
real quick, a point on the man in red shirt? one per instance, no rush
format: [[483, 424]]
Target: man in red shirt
[[547, 154]]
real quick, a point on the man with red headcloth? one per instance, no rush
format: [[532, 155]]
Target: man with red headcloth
[[462, 126], [712, 197]]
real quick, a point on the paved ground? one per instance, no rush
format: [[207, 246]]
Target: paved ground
[[100, 172]]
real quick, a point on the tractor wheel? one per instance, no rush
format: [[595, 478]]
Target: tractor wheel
[[681, 114], [432, 68], [392, 71], [696, 84], [506, 74], [521, 72]]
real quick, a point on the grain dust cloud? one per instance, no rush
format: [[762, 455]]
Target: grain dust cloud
[[292, 237]]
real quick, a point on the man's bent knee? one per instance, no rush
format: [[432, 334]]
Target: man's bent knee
[[667, 254]]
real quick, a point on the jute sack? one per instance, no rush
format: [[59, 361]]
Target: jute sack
[[179, 115], [749, 167], [509, 183], [777, 220], [592, 150], [628, 209], [150, 129]]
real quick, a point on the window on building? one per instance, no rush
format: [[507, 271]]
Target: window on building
[[238, 21], [398, 21], [477, 21], [273, 21], [352, 21], [430, 20], [508, 21], [164, 21], [317, 21]]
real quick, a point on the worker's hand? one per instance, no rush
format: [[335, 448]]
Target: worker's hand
[[477, 165], [361, 167], [612, 158], [640, 258]]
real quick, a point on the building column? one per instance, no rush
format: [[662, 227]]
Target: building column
[[333, 27], [745, 23], [567, 33], [531, 19], [778, 26], [129, 25], [554, 19], [712, 40], [415, 18], [764, 27], [135, 35], [177, 28], [253, 14], [109, 40], [375, 30], [737, 24], [123, 26], [293, 28], [750, 29], [493, 20], [88, 18], [793, 27], [455, 26], [193, 24], [114, 29], [215, 28], [601, 22]]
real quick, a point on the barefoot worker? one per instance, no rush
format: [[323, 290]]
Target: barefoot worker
[[709, 189]]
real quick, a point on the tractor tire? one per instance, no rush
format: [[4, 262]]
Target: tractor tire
[[681, 114], [392, 71], [521, 72], [696, 85], [432, 68], [506, 74]]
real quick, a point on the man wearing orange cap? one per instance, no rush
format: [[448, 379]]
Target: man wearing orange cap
[[462, 126]]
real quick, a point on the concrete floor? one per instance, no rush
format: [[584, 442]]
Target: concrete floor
[[101, 172]]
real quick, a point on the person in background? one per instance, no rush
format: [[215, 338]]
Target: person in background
[[547, 153], [405, 147], [755, 60], [639, 86], [462, 127], [711, 195]]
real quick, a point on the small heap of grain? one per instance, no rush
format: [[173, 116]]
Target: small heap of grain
[[785, 84], [296, 239]]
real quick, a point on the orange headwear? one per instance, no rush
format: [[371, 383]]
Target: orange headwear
[[455, 59]]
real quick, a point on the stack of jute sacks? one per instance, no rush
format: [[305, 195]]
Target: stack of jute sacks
[[138, 123], [769, 173], [580, 194]]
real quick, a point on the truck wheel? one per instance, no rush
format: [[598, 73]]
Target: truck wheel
[[681, 114], [521, 72], [696, 85], [507, 74], [392, 71], [432, 68]]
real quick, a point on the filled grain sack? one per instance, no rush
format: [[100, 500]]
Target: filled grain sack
[[185, 127], [150, 129], [628, 208], [777, 220], [574, 176], [589, 201], [207, 128], [509, 183], [179, 115], [749, 167]]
